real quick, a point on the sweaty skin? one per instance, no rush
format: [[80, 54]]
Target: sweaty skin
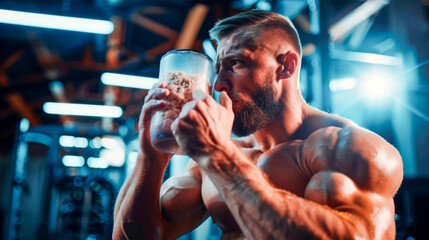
[[307, 175]]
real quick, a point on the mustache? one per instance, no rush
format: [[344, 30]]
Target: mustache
[[234, 95]]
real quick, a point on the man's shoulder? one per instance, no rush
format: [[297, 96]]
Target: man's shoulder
[[348, 137], [323, 126], [357, 152], [350, 140]]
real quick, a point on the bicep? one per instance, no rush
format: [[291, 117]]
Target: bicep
[[356, 173], [180, 195], [181, 203], [369, 211], [330, 188], [367, 159]]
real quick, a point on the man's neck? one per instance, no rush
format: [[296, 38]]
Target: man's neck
[[284, 127]]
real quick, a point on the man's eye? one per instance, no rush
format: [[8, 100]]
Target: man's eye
[[235, 62]]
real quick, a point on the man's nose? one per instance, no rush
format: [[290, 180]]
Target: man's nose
[[222, 83]]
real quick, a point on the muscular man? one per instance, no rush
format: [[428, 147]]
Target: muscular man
[[296, 173]]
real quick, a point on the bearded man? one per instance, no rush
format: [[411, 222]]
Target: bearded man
[[295, 173]]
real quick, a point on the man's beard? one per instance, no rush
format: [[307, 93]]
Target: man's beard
[[258, 113]]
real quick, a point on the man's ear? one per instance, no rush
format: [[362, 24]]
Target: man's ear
[[288, 64]]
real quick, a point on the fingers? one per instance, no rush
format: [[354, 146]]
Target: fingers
[[204, 97], [182, 125], [199, 95], [148, 109], [203, 102], [186, 108], [225, 101], [158, 91]]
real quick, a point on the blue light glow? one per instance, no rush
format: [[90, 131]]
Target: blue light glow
[[82, 110], [97, 163], [24, 125], [95, 143], [366, 57], [113, 151], [263, 5], [71, 141], [377, 88], [109, 143], [343, 84], [81, 142], [67, 141], [209, 49], [73, 161], [56, 22], [123, 80]]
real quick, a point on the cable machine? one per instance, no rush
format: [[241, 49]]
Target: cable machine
[[65, 182]]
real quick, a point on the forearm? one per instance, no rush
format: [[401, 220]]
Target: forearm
[[264, 212], [138, 212]]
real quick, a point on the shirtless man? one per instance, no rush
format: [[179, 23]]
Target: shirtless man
[[298, 174]]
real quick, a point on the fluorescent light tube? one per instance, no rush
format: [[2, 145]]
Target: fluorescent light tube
[[342, 84], [82, 109], [123, 80], [67, 141], [73, 161], [56, 22], [97, 162]]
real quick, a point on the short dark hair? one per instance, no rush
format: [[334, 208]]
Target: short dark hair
[[256, 19]]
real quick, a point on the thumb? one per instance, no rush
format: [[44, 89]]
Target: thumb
[[199, 95], [225, 101]]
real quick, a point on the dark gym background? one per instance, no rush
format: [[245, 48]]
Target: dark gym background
[[59, 175]]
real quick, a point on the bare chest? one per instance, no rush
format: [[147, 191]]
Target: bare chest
[[284, 170]]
